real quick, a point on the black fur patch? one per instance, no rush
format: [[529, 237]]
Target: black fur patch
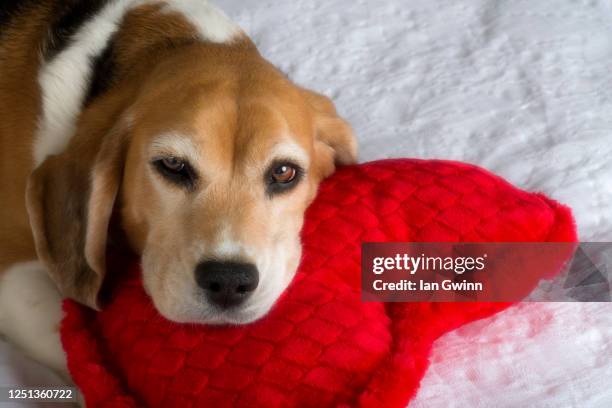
[[102, 73], [70, 16]]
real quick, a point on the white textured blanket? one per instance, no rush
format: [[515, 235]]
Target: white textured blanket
[[522, 88]]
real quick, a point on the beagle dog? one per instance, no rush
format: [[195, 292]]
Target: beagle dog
[[155, 123]]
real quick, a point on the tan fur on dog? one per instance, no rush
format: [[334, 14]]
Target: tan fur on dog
[[222, 105]]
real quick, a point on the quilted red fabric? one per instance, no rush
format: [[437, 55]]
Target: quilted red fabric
[[320, 346]]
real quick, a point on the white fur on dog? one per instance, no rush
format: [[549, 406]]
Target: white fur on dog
[[64, 80], [212, 24], [31, 312]]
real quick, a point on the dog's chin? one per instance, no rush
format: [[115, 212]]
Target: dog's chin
[[204, 313], [216, 317], [237, 317]]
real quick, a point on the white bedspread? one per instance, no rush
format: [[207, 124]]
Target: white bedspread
[[522, 88]]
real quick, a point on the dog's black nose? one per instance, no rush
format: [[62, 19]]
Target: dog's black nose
[[227, 284]]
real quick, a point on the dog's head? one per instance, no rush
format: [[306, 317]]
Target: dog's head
[[211, 169]]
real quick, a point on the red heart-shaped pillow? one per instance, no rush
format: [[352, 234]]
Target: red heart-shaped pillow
[[320, 345]]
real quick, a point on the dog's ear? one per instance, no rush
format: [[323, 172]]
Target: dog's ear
[[70, 199], [335, 142]]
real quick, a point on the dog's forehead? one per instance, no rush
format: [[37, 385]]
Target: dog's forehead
[[230, 120], [269, 127], [217, 139]]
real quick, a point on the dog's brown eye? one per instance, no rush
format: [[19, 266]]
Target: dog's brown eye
[[284, 174], [176, 170], [173, 164]]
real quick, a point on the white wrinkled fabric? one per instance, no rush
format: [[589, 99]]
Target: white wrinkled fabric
[[522, 88]]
